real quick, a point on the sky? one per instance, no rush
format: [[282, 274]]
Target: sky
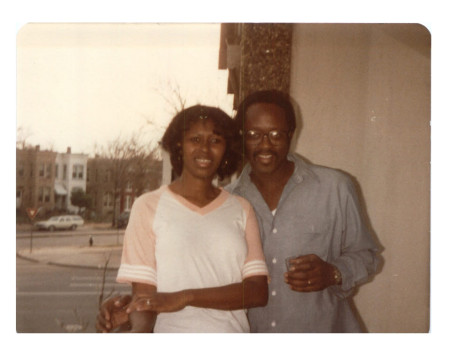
[[81, 85]]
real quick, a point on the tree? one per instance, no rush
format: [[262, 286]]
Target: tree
[[21, 138], [80, 199], [172, 96], [132, 163], [174, 101]]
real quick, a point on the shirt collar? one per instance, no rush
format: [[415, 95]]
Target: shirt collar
[[302, 170]]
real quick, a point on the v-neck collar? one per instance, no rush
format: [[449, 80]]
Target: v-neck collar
[[214, 204]]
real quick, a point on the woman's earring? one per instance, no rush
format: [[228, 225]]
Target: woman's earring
[[224, 164]]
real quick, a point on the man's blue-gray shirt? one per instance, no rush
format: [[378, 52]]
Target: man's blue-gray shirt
[[318, 213]]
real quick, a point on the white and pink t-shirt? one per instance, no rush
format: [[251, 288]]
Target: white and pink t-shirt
[[175, 245]]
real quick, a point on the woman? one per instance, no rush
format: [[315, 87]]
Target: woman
[[192, 251]]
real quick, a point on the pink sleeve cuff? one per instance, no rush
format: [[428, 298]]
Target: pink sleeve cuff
[[134, 273], [254, 268]]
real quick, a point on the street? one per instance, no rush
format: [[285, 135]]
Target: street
[[64, 238], [61, 299]]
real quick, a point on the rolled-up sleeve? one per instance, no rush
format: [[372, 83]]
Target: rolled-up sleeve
[[358, 259]]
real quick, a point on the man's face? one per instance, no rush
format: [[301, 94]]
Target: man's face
[[266, 156]]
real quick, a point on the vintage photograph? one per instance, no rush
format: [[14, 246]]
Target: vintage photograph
[[223, 177]]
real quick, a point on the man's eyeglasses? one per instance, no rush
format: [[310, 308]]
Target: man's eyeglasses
[[275, 137]]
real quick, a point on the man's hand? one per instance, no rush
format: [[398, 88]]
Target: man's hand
[[159, 302], [112, 313], [310, 273]]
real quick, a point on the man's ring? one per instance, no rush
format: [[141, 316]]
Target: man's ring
[[148, 302], [309, 282]]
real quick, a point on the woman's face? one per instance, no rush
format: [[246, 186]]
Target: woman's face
[[203, 150]]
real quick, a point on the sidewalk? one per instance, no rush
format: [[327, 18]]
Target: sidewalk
[[81, 257], [25, 228], [94, 257]]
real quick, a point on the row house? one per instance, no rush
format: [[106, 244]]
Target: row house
[[35, 178], [100, 186], [70, 175], [112, 194], [45, 179]]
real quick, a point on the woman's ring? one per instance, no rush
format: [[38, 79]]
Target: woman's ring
[[309, 282], [148, 302]]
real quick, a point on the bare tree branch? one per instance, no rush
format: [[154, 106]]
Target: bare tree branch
[[171, 93], [21, 138], [133, 163]]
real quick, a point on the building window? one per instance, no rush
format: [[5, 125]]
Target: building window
[[41, 170], [128, 202], [64, 171], [45, 170], [56, 170], [20, 169], [48, 170], [107, 176], [47, 192], [108, 199], [77, 172], [44, 194]]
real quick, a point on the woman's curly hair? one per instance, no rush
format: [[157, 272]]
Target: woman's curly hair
[[223, 126]]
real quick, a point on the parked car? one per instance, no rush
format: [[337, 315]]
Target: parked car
[[60, 222], [122, 220]]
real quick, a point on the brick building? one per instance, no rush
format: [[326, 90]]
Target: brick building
[[45, 179], [35, 179], [113, 192]]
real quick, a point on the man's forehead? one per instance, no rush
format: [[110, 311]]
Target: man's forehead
[[266, 113]]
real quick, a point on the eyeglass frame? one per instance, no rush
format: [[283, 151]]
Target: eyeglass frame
[[264, 134]]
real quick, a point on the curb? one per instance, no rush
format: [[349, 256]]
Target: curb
[[42, 234], [79, 266], [27, 258], [67, 265]]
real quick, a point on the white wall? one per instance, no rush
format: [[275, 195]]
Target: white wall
[[364, 95], [69, 183]]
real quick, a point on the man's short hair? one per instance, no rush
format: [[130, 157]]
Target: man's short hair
[[276, 97]]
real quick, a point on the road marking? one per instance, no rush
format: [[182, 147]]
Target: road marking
[[95, 282], [90, 285], [80, 278], [53, 293]]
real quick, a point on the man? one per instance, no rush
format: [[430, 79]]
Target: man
[[309, 216]]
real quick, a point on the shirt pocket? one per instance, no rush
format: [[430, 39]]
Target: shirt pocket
[[313, 236]]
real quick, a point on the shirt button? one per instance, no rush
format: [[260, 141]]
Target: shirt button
[[274, 260], [274, 292], [274, 231], [273, 324]]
